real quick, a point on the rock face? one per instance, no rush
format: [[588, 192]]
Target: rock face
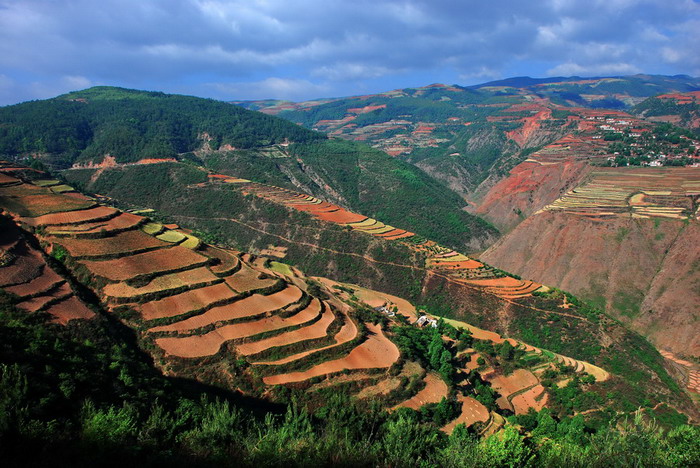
[[644, 272]]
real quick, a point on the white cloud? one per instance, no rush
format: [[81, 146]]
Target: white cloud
[[363, 44], [351, 71], [269, 88], [601, 69]]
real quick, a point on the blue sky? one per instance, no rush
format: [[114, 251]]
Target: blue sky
[[303, 49]]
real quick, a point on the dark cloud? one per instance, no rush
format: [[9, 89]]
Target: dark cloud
[[307, 48]]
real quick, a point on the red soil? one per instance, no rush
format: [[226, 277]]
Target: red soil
[[24, 269], [519, 379], [72, 217], [347, 333], [123, 222], [506, 282], [250, 306], [39, 302], [41, 283], [40, 201], [196, 277], [398, 236], [435, 390], [526, 400], [472, 411], [157, 261], [122, 243], [466, 264], [376, 352], [185, 302], [246, 279], [341, 217], [77, 196], [210, 343], [6, 179], [70, 309], [366, 109], [316, 330], [228, 258]]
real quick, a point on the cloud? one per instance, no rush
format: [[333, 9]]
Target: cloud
[[601, 69], [336, 45], [269, 88]]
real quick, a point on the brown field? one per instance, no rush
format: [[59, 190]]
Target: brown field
[[123, 222], [518, 380], [316, 330], [78, 196], [209, 343], [6, 179], [250, 306], [24, 269], [70, 309], [229, 258], [387, 385], [190, 278], [156, 261], [341, 216], [398, 236], [472, 411], [72, 217], [39, 302], [377, 352], [122, 243], [347, 333], [529, 399], [45, 281], [30, 200], [187, 301], [246, 279], [507, 282], [466, 264], [435, 390]]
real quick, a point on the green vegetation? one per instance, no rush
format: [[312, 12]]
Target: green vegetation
[[82, 395], [131, 125]]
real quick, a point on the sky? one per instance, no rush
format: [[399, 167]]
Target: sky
[[305, 49]]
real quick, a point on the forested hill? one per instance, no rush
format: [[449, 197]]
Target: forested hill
[[130, 125], [98, 124]]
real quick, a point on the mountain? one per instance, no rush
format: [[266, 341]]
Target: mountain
[[513, 147], [469, 138], [144, 339], [616, 92], [106, 126]]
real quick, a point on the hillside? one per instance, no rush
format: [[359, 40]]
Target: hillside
[[681, 109], [111, 127], [233, 321], [304, 231], [618, 213]]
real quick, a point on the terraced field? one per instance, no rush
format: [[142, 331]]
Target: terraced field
[[443, 261], [25, 273], [663, 192], [199, 303]]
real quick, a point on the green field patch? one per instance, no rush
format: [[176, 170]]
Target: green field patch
[[152, 228], [172, 236], [281, 268]]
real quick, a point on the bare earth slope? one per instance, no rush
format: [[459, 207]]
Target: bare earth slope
[[594, 259]]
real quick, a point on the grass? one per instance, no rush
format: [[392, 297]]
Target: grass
[[152, 228], [171, 236], [281, 268]]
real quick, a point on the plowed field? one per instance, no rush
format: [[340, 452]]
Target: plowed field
[[250, 306], [157, 261], [377, 352]]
